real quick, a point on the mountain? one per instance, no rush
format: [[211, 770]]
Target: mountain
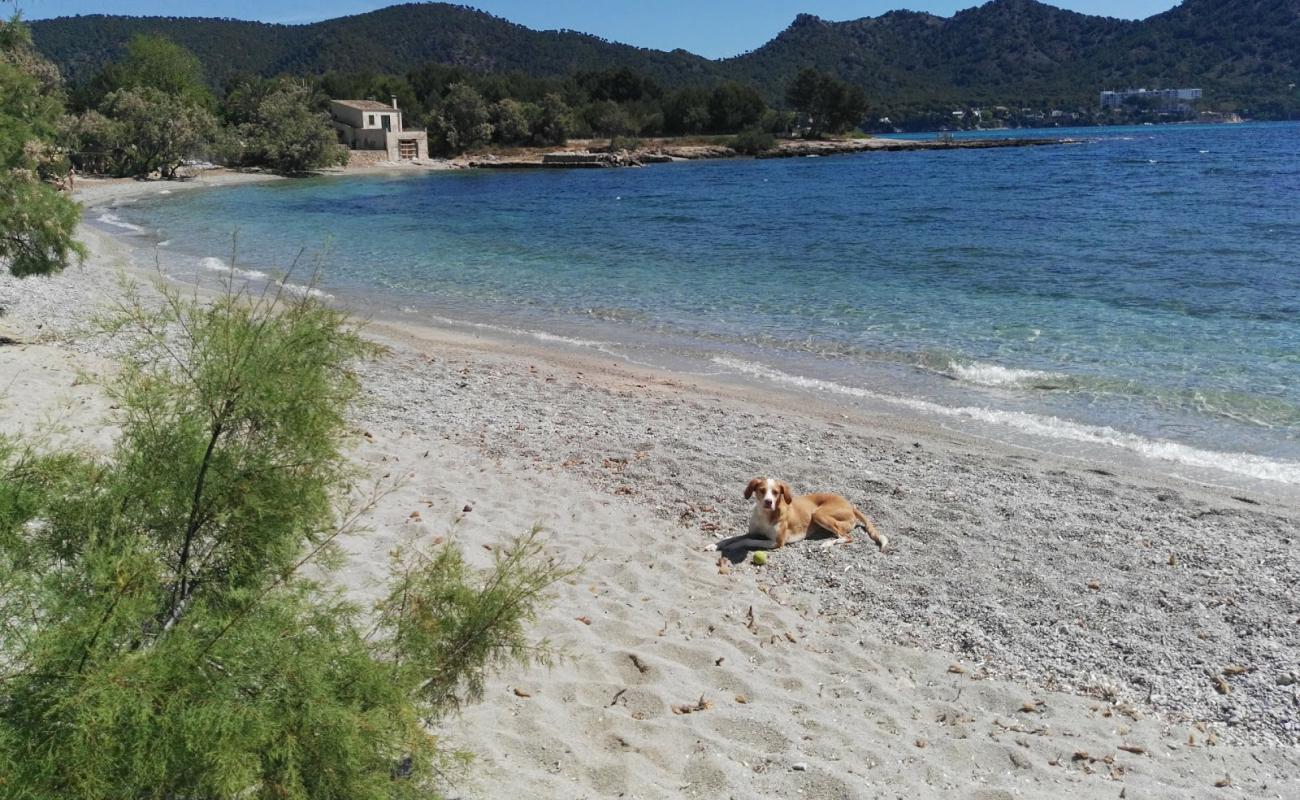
[[1012, 52], [1022, 52], [391, 40]]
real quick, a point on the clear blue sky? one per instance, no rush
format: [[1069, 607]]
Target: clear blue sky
[[712, 28]]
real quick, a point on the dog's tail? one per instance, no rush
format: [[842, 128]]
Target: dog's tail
[[876, 536]]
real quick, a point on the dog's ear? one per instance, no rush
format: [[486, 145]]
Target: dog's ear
[[786, 492], [753, 487]]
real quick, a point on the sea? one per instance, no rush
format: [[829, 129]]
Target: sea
[[1131, 295]]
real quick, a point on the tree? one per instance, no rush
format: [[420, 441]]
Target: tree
[[276, 127], [510, 121], [686, 111], [620, 85], [156, 62], [158, 635], [608, 119], [832, 105], [37, 222], [735, 107], [158, 131], [462, 122], [554, 121], [94, 141]]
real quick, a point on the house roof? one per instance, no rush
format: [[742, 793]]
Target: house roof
[[365, 105]]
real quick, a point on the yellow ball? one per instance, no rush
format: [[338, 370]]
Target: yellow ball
[[760, 557]]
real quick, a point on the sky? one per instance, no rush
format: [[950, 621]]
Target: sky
[[712, 28]]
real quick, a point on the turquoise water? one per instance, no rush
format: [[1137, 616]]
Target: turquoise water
[[1137, 289]]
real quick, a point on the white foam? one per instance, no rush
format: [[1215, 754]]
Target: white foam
[[109, 218], [1246, 464], [217, 265], [997, 375], [541, 336], [305, 291]]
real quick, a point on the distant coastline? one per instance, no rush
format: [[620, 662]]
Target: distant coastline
[[589, 153]]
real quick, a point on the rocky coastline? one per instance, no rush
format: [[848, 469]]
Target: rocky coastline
[[584, 155]]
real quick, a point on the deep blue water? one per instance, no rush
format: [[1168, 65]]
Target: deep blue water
[[1140, 287]]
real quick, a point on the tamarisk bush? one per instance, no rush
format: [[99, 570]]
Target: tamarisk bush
[[160, 636]]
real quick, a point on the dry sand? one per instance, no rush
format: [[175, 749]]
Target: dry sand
[[1028, 637]]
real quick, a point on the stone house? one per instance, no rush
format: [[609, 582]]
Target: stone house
[[371, 125]]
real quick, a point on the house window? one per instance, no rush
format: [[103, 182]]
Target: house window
[[372, 120]]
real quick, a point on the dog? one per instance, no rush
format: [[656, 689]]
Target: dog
[[780, 518]]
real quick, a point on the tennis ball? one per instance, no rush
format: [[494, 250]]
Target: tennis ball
[[760, 558]]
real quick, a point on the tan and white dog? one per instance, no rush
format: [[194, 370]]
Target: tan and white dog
[[780, 518]]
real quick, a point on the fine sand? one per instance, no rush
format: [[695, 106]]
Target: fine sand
[[1043, 627]]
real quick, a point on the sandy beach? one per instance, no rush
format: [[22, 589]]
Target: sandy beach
[[1041, 627]]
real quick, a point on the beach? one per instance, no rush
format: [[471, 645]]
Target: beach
[[1042, 626]]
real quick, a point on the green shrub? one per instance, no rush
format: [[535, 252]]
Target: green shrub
[[158, 635], [752, 142]]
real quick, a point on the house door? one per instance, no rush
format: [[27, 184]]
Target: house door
[[388, 124], [406, 149]]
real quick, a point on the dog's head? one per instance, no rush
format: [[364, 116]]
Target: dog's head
[[770, 492]]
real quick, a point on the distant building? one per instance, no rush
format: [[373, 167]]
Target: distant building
[[1166, 100], [371, 125]]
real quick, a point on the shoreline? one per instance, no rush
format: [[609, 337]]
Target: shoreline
[[1037, 433], [659, 151], [996, 552]]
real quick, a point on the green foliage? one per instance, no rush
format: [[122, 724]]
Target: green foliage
[[620, 85], [831, 105], [686, 112], [151, 113], [152, 131], [734, 107], [158, 636], [913, 66], [94, 142], [554, 121], [277, 126], [155, 62], [607, 118], [752, 142], [37, 222], [462, 123], [512, 121]]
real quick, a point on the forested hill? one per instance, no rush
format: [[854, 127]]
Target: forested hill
[[392, 40], [1244, 53]]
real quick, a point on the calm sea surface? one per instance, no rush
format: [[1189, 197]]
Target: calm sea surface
[[1136, 292]]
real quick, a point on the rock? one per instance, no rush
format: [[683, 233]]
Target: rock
[[799, 767]]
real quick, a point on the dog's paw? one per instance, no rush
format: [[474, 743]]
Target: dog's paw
[[829, 543], [709, 548]]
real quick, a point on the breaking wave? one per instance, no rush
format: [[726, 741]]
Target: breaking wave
[[1246, 464]]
